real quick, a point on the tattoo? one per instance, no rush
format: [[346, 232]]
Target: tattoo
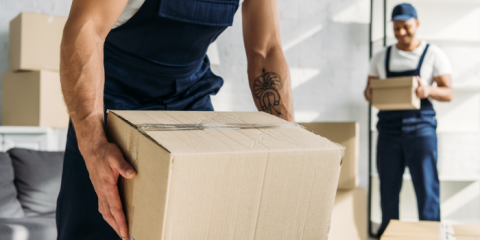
[[265, 89]]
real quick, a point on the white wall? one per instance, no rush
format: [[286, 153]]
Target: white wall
[[326, 46]]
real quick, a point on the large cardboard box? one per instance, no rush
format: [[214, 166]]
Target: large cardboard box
[[425, 230], [218, 175], [349, 217], [346, 134], [33, 99], [395, 93], [34, 42]]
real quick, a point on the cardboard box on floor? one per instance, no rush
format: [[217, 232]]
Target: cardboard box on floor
[[33, 99], [218, 175], [349, 216], [35, 42], [395, 93], [425, 230], [347, 135]]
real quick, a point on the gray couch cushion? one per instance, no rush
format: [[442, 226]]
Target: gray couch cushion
[[36, 228], [9, 205], [37, 178]]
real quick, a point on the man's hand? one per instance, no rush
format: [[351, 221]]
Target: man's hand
[[368, 89], [104, 165], [368, 93], [423, 91]]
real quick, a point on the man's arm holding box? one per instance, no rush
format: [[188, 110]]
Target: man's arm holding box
[[82, 78]]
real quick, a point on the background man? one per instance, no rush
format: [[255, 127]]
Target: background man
[[408, 138], [153, 59]]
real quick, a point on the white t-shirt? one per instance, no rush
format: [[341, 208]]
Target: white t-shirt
[[435, 64], [130, 9]]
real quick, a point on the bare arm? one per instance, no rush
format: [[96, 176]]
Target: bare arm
[[442, 92], [82, 78], [268, 72], [368, 90]]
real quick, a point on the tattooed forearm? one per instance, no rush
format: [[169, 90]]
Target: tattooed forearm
[[265, 89]]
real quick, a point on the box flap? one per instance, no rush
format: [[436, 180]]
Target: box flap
[[182, 132], [394, 82]]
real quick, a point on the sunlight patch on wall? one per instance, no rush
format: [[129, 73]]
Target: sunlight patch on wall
[[300, 76], [358, 12]]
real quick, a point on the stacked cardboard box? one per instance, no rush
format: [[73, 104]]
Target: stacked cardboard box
[[31, 92], [425, 230], [349, 217], [217, 175]]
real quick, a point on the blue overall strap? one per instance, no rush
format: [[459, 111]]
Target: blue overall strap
[[420, 62], [387, 61]]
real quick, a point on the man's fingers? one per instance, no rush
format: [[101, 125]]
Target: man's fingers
[[125, 169], [116, 210], [107, 216]]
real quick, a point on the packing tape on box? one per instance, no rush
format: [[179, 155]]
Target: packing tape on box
[[446, 232], [212, 126]]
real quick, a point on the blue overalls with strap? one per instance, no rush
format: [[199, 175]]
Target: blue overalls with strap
[[155, 61], [408, 138]]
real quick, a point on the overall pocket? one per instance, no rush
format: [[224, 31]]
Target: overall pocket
[[203, 12]]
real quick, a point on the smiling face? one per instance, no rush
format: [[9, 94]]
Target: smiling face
[[405, 30]]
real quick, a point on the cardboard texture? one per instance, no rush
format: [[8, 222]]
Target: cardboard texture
[[425, 230], [346, 134], [35, 42], [33, 99], [221, 182], [349, 217], [395, 93]]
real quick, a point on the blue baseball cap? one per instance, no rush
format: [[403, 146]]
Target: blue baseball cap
[[404, 12]]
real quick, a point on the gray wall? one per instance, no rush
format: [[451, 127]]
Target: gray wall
[[326, 46]]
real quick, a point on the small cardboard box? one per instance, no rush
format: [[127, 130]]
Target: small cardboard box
[[33, 99], [349, 217], [425, 230], [218, 175], [395, 93], [34, 42], [346, 134]]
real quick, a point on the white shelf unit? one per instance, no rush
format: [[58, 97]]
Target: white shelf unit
[[35, 138], [459, 198]]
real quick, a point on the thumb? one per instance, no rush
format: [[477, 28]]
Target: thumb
[[419, 81], [125, 169]]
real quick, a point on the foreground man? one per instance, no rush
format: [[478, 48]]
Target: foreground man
[[409, 138], [153, 59]]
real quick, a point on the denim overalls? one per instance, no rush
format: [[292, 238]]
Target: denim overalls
[[408, 139], [155, 61]]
